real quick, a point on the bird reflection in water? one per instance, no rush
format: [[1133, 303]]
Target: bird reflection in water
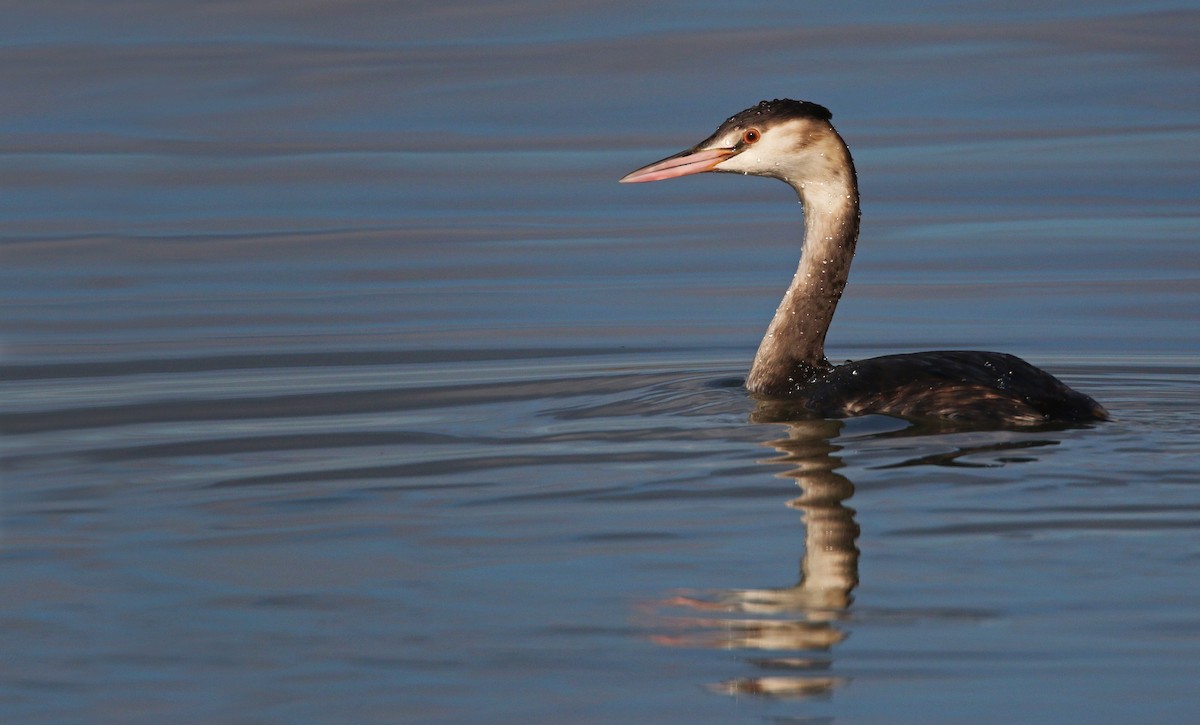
[[801, 624]]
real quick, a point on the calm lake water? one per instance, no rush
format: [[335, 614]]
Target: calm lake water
[[341, 382]]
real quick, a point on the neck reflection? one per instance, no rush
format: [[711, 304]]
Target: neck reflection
[[801, 624]]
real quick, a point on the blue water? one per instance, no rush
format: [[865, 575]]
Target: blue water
[[342, 383]]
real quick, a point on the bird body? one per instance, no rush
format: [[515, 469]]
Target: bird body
[[795, 142], [964, 386]]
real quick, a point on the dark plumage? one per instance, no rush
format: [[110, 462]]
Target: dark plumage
[[959, 385]]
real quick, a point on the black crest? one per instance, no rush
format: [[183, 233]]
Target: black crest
[[779, 110]]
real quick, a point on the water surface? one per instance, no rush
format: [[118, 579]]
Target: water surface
[[341, 381]]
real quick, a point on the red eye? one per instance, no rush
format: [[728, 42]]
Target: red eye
[[751, 135]]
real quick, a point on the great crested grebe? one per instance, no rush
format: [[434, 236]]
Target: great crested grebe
[[794, 141]]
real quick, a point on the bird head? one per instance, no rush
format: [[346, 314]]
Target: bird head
[[782, 139]]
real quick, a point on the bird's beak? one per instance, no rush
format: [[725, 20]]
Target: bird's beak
[[683, 163]]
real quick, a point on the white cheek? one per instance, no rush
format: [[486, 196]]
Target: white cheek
[[735, 164]]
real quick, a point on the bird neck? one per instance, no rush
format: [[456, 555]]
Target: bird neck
[[793, 350]]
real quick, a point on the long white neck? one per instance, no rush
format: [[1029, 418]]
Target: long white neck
[[794, 346]]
